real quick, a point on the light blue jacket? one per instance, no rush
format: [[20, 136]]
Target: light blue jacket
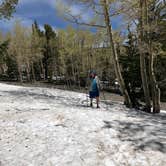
[[94, 85]]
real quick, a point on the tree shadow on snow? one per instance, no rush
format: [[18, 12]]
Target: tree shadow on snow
[[149, 133], [145, 131]]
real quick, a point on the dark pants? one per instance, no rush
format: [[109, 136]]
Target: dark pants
[[93, 94]]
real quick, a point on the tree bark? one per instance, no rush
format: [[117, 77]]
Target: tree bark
[[20, 73], [33, 72], [19, 70], [42, 71], [142, 60], [155, 91], [127, 100], [28, 71], [154, 86]]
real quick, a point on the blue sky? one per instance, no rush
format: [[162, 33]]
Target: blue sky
[[29, 10], [44, 11]]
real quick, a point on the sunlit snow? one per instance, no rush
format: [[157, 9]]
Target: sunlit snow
[[51, 127]]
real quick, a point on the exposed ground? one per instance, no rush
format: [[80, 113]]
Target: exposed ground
[[103, 95]]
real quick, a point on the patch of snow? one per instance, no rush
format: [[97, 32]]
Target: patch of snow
[[52, 127]]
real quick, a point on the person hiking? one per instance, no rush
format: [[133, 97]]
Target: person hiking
[[94, 89]]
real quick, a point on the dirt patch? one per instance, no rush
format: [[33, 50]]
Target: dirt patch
[[103, 95]]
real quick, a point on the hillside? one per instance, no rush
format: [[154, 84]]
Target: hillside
[[51, 127]]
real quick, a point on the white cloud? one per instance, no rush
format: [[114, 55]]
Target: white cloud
[[26, 22], [7, 25], [41, 27], [77, 10], [73, 9]]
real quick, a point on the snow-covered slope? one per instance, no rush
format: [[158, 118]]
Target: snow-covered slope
[[50, 127]]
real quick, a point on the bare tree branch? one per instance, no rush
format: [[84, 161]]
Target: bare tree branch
[[75, 20]]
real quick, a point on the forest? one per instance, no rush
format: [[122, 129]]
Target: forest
[[134, 55], [82, 82]]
